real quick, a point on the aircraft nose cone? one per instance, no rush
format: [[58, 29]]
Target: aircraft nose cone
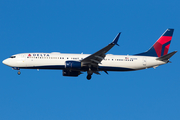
[[5, 61]]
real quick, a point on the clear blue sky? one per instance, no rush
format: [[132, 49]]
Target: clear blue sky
[[75, 26]]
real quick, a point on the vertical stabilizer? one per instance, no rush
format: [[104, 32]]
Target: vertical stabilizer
[[161, 46]]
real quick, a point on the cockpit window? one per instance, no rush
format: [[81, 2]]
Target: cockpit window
[[13, 57]]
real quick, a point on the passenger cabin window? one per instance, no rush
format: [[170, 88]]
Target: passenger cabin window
[[13, 57]]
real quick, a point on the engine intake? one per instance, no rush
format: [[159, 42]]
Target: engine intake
[[73, 64]]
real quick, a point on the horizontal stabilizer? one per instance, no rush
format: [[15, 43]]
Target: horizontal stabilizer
[[167, 56]]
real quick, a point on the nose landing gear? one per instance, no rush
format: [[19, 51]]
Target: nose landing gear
[[19, 72], [16, 68]]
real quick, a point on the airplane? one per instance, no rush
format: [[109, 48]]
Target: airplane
[[74, 64]]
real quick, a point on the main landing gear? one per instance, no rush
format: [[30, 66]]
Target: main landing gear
[[90, 72], [88, 77]]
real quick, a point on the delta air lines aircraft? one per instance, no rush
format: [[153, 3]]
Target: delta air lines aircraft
[[74, 64]]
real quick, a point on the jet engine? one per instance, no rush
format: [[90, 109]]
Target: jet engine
[[73, 65], [71, 73]]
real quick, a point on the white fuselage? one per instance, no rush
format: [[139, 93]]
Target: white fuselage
[[74, 64], [57, 61]]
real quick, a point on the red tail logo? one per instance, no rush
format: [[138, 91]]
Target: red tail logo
[[162, 45]]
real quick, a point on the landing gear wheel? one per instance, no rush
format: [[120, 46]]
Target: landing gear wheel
[[88, 77], [19, 73]]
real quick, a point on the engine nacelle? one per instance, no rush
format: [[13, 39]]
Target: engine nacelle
[[73, 64], [71, 73]]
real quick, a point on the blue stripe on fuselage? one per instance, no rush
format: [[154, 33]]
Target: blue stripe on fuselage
[[55, 67], [103, 68], [61, 67]]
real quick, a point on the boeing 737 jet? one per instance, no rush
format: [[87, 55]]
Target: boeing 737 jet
[[74, 64]]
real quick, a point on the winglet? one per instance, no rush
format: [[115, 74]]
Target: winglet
[[116, 39]]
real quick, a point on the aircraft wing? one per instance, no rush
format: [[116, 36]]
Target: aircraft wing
[[97, 57]]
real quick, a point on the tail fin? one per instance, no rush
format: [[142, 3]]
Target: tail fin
[[161, 46]]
